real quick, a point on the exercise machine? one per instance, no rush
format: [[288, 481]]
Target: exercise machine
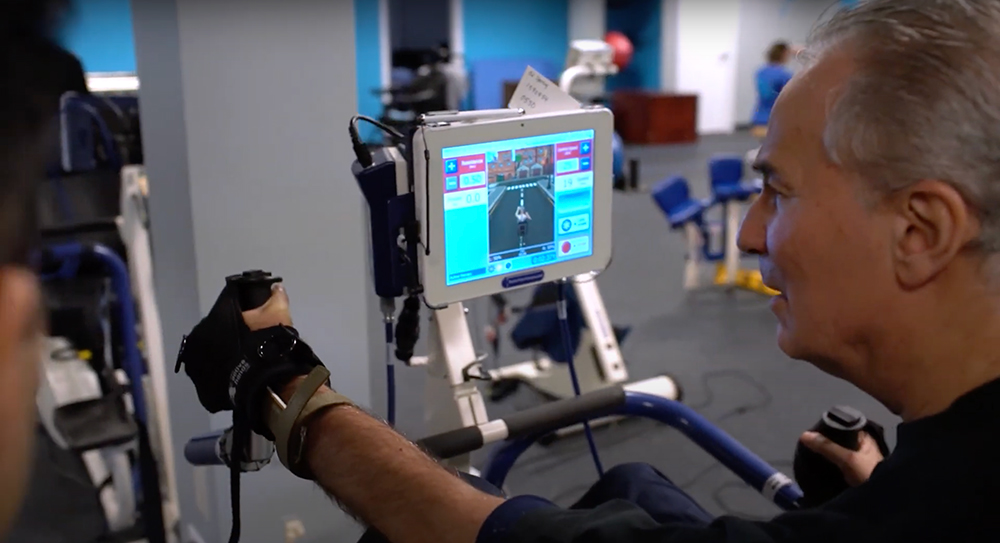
[[104, 384], [711, 241], [436, 244], [595, 345]]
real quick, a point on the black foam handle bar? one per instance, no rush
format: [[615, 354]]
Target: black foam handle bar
[[531, 422], [553, 416], [454, 443]]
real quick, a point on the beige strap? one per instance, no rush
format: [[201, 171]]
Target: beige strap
[[286, 423], [296, 446]]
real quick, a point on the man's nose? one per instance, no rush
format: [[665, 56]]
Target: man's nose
[[752, 238]]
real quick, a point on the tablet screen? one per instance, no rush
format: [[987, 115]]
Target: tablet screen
[[514, 205]]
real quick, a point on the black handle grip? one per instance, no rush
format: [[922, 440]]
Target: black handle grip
[[456, 442], [254, 288], [842, 425], [560, 414], [530, 422], [819, 479]]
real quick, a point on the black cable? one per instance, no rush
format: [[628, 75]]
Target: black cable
[[567, 347], [396, 135], [432, 307], [427, 194], [390, 377], [708, 377], [361, 151], [241, 437]]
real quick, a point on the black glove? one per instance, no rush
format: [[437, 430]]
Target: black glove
[[232, 367]]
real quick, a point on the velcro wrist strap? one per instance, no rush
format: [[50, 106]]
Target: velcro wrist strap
[[287, 424]]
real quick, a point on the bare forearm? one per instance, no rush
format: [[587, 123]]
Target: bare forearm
[[389, 483]]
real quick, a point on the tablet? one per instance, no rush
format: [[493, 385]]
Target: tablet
[[509, 203]]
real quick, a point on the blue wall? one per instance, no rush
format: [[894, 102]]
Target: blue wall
[[100, 33], [367, 56], [641, 22], [503, 36]]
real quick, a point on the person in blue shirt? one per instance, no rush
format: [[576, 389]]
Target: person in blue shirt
[[770, 79]]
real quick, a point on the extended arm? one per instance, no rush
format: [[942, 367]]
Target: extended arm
[[390, 484], [380, 476]]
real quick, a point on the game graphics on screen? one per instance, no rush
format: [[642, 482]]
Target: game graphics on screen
[[530, 204]]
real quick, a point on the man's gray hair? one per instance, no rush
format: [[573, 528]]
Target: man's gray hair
[[925, 103]]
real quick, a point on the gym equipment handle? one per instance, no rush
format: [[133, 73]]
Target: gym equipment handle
[[820, 479], [212, 449], [254, 288], [530, 422], [204, 450]]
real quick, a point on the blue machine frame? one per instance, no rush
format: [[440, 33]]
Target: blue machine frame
[[749, 467], [70, 255]]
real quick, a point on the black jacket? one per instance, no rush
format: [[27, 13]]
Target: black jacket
[[940, 485]]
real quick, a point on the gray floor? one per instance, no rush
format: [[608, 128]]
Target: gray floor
[[720, 347]]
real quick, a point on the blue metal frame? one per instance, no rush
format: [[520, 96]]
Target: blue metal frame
[[729, 452], [133, 363]]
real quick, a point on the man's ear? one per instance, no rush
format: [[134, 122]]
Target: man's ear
[[933, 224]]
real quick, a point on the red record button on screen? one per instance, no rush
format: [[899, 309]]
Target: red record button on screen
[[566, 246]]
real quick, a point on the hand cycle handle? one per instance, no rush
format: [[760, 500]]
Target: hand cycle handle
[[214, 448], [820, 479], [522, 428], [254, 288]]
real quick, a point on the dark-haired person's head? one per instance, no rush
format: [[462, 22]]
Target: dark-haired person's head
[[29, 92], [779, 53]]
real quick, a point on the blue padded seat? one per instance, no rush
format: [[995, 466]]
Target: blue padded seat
[[726, 175], [673, 196]]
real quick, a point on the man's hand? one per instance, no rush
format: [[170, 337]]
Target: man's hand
[[273, 313], [234, 356], [857, 466]]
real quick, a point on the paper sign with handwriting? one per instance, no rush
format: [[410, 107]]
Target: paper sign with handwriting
[[536, 94]]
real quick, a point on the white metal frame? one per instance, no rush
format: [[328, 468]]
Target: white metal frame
[[68, 381], [452, 397], [733, 211], [133, 228]]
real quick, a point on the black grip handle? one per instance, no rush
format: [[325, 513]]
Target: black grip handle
[[553, 416], [530, 422], [842, 425], [453, 443], [254, 288], [819, 479]]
